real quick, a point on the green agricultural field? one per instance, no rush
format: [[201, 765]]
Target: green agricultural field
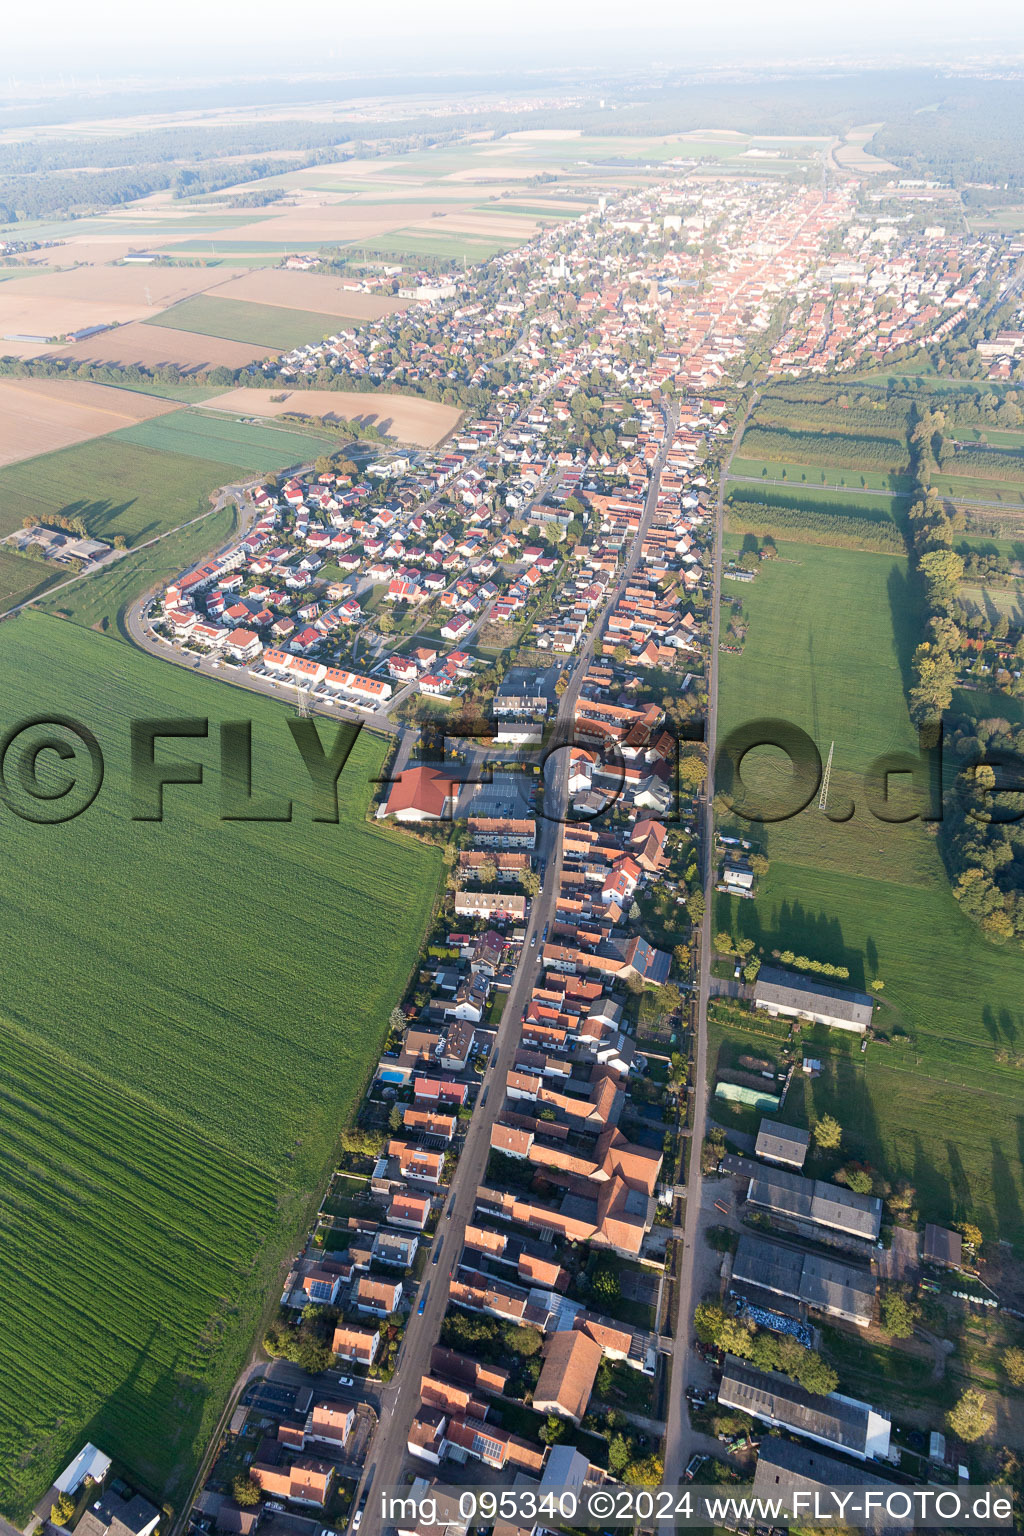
[[451, 246], [22, 578], [186, 394], [254, 447], [231, 248], [190, 1011], [859, 502], [97, 601], [969, 488], [556, 210], [115, 487], [262, 325], [774, 472], [829, 640]]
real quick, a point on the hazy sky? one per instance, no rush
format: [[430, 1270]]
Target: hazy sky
[[202, 37]]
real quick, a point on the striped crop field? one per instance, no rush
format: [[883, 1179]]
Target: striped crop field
[[189, 1012]]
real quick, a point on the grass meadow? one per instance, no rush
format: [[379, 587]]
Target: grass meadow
[[116, 487], [254, 447], [190, 1010], [829, 640], [452, 246], [97, 601], [22, 578], [816, 475], [139, 483], [262, 325]]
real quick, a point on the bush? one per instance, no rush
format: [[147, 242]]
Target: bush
[[970, 1418], [246, 1492], [62, 1510], [898, 1315]]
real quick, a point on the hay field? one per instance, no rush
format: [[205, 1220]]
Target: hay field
[[309, 291], [52, 304], [853, 155], [321, 224], [500, 226], [38, 415], [407, 417], [152, 345]]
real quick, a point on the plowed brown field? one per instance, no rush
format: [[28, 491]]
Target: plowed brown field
[[39, 415], [407, 417]]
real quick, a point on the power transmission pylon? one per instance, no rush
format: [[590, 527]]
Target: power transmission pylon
[[823, 797]]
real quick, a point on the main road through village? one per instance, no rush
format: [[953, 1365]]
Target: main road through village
[[387, 1453], [399, 1399]]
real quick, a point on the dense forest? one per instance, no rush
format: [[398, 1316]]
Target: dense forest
[[53, 194], [970, 133], [934, 128], [73, 176]]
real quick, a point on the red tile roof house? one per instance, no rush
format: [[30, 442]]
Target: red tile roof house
[[358, 1345], [438, 1090], [420, 794], [427, 1124], [303, 1481], [416, 1162], [571, 1362], [407, 1210], [379, 1297], [326, 1423], [243, 644], [322, 1285], [330, 1423]]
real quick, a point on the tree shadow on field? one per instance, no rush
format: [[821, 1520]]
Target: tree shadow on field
[[818, 936], [871, 956], [905, 611], [842, 1091], [97, 516], [1009, 1216], [170, 1407], [941, 1196], [1003, 1028]]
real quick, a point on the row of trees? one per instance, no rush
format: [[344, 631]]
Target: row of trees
[[986, 463], [814, 525], [983, 849], [846, 450], [876, 414], [984, 854]]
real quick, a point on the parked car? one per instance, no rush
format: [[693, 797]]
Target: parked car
[[693, 1466]]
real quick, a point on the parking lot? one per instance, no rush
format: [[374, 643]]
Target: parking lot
[[508, 794]]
